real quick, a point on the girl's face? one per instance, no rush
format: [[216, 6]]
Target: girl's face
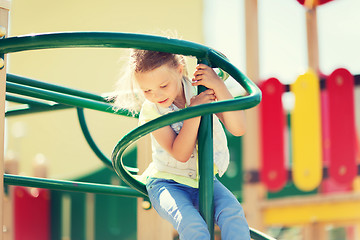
[[162, 85]]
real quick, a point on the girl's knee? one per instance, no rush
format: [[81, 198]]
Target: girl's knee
[[235, 212], [232, 214], [194, 230]]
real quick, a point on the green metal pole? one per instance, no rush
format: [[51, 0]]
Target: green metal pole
[[206, 168], [70, 186], [52, 87]]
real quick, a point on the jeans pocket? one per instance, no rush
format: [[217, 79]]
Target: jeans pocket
[[150, 181]]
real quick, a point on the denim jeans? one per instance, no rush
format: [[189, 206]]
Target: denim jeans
[[179, 204]]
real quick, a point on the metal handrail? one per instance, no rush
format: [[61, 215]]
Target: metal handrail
[[100, 39], [89, 139], [62, 98], [52, 87], [140, 41], [245, 102], [37, 106], [64, 185]]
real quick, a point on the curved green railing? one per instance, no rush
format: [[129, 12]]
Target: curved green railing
[[229, 105], [100, 39], [89, 139], [129, 40]]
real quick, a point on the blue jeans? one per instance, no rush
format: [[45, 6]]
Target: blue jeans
[[179, 204]]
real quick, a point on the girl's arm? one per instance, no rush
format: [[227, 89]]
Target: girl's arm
[[234, 121], [182, 145]]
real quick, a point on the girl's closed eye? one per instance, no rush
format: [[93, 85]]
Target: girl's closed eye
[[164, 86]]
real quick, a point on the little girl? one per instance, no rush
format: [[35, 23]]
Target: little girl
[[172, 177]]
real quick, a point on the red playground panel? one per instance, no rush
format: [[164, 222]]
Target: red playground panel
[[342, 165], [328, 185], [272, 118], [31, 213], [313, 2]]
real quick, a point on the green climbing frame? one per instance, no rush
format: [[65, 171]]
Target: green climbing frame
[[66, 98]]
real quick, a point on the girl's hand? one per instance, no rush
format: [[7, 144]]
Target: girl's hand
[[204, 97], [206, 76], [234, 121]]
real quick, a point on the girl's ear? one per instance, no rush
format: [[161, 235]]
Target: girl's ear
[[180, 69]]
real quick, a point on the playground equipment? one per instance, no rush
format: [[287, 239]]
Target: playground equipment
[[311, 211], [322, 189], [67, 214], [271, 195], [327, 132], [68, 97], [319, 189]]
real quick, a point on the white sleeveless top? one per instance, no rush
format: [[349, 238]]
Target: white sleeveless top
[[163, 164]]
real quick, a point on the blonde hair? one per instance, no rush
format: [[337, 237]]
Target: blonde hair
[[128, 95]]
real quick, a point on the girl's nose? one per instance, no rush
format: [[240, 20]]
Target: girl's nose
[[156, 94]]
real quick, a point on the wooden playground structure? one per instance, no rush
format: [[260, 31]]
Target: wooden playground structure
[[4, 16], [301, 166], [319, 154]]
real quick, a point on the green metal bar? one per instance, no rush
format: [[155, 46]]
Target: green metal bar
[[219, 61], [206, 172], [166, 120], [52, 87], [89, 139], [24, 109], [30, 102], [102, 40], [257, 235], [62, 98], [206, 166], [70, 186], [30, 106]]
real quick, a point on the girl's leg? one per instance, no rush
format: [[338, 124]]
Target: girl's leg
[[229, 214], [175, 203]]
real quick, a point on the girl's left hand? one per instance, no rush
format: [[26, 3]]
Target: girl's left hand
[[206, 76]]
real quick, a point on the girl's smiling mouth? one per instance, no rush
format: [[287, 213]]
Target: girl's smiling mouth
[[163, 101]]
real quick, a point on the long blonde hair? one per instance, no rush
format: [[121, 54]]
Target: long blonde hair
[[128, 95]]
